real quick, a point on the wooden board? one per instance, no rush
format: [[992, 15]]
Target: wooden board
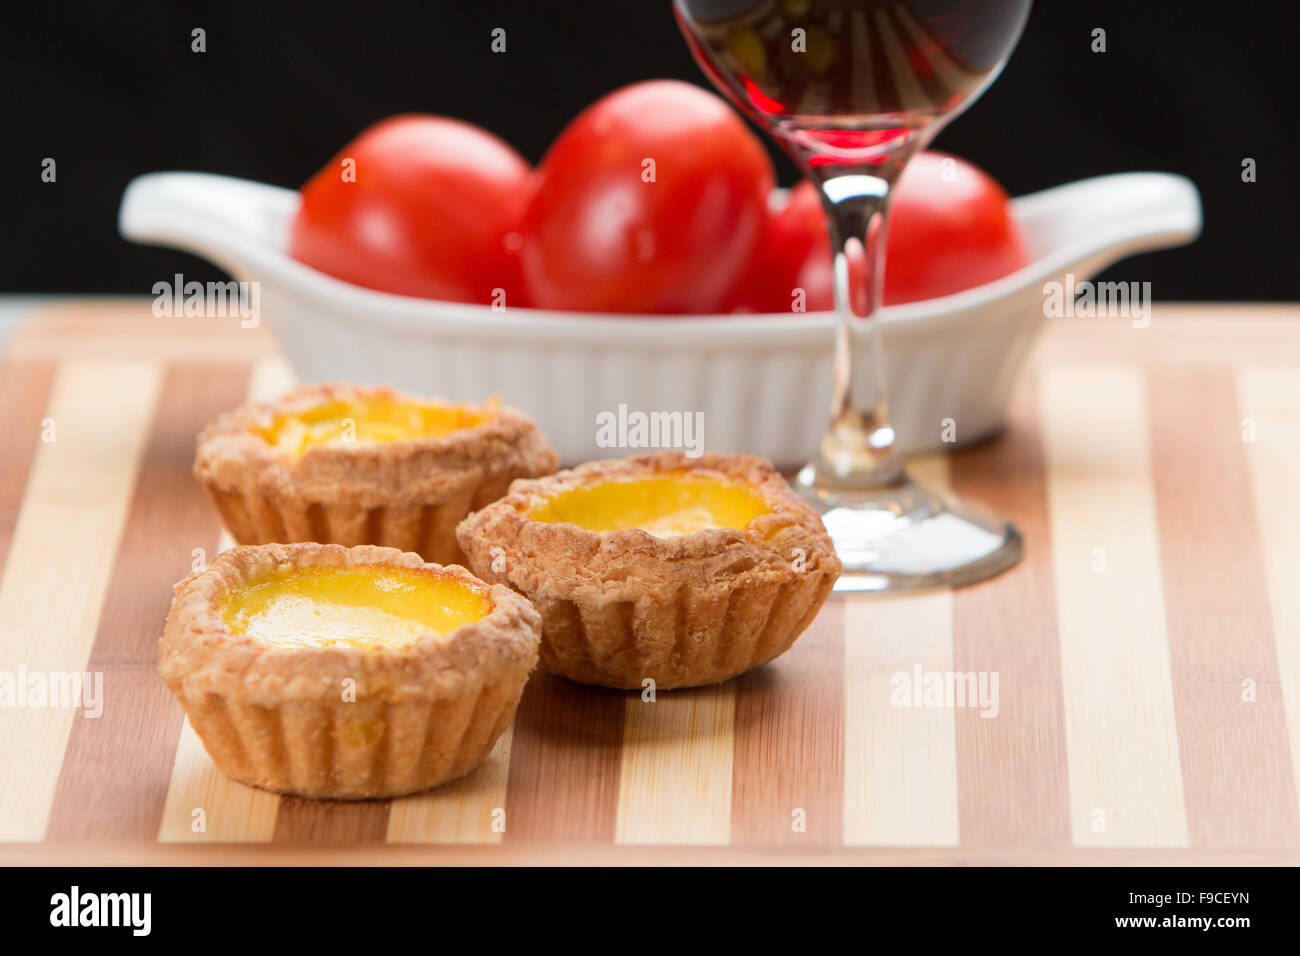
[[1146, 651]]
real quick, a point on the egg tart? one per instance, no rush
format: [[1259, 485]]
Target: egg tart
[[684, 571], [347, 673], [349, 465]]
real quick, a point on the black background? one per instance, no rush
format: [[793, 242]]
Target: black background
[[1004, 907], [114, 91]]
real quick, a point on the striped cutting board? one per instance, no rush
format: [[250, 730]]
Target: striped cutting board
[[1146, 652]]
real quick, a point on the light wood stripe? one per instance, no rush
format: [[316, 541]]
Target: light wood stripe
[[1270, 400], [675, 784], [81, 855], [789, 753], [24, 392], [1188, 335], [1126, 785], [59, 564], [110, 787], [1233, 747], [564, 763], [900, 762], [469, 810], [122, 329], [1011, 769], [205, 806], [232, 812]]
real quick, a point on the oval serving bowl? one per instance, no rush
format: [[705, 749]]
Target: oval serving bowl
[[761, 382]]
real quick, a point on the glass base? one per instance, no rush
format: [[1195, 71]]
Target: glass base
[[903, 536]]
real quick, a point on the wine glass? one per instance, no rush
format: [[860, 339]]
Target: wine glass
[[852, 89]]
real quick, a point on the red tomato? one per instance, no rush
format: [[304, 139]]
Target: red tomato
[[794, 254], [950, 229], [651, 200], [433, 212]]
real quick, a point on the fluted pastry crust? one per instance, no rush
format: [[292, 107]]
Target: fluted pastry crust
[[619, 607], [422, 714], [409, 495]]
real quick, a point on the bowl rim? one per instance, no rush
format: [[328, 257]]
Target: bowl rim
[[260, 254], [408, 306]]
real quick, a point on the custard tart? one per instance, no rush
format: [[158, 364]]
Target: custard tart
[[662, 567], [350, 465], [346, 673]]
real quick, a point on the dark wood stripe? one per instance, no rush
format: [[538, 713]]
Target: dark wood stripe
[[330, 822], [565, 758], [1237, 779], [1012, 776], [116, 768], [24, 395], [789, 751]]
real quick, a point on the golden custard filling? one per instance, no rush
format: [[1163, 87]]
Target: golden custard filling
[[365, 421], [366, 607], [666, 506]]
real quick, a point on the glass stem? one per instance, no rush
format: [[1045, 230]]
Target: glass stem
[[858, 449]]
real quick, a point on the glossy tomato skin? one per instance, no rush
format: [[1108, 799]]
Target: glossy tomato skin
[[653, 200], [793, 255], [950, 228], [434, 212]]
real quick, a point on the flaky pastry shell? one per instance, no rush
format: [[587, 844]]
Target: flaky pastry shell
[[420, 714], [408, 495], [620, 607]]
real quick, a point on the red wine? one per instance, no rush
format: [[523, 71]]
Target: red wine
[[851, 72]]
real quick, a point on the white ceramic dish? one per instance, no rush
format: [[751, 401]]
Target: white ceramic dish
[[761, 381]]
